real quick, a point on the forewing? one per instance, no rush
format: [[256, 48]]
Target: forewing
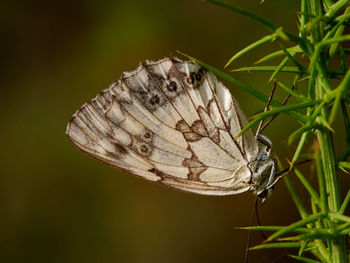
[[164, 122], [223, 109], [234, 118]]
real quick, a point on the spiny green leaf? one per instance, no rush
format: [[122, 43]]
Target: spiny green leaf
[[344, 166], [314, 21], [308, 186], [275, 111], [265, 40], [303, 19], [303, 247], [314, 209], [340, 91], [344, 229], [297, 224], [336, 7], [345, 203], [292, 92], [284, 62], [278, 53], [299, 132], [323, 43], [290, 56], [321, 182], [300, 230], [299, 204], [300, 146], [340, 217], [337, 31], [278, 245], [311, 124], [270, 68], [279, 68], [325, 235], [303, 259]]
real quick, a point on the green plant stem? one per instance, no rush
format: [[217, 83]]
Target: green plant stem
[[325, 137]]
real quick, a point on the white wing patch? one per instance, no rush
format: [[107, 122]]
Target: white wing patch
[[171, 122]]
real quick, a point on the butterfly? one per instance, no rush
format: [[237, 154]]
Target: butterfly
[[172, 122]]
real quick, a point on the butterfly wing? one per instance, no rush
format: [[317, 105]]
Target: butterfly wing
[[171, 122]]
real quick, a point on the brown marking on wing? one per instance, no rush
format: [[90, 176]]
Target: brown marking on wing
[[194, 79], [147, 136], [158, 173], [121, 92], [182, 126], [151, 98], [192, 137], [168, 83], [213, 131], [199, 128], [194, 174], [143, 148], [142, 144], [194, 133], [194, 166], [119, 150]]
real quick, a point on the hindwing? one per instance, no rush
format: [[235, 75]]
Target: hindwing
[[171, 122]]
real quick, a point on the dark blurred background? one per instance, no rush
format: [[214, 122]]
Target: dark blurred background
[[60, 205]]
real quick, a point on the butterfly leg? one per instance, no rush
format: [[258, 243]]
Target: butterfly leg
[[283, 103], [272, 173], [282, 174], [258, 131]]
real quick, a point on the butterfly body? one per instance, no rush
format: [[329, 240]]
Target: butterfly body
[[174, 123]]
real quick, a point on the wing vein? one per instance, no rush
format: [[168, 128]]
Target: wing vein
[[223, 120], [178, 73]]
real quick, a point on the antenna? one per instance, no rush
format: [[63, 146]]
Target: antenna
[[250, 231]]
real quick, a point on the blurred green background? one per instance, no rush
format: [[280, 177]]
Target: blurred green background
[[60, 205]]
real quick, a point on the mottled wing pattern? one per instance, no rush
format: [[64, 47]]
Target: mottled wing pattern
[[171, 122]]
